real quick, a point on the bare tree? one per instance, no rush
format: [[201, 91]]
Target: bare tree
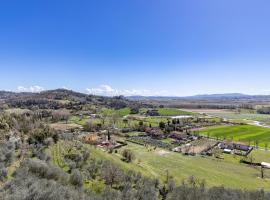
[[111, 173], [63, 114], [104, 115], [114, 118]]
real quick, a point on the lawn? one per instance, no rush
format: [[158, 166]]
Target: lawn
[[257, 155], [244, 133], [154, 163], [260, 156]]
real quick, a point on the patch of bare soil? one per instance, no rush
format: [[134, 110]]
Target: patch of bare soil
[[162, 152]]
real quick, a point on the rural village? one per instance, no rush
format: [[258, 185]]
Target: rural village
[[96, 140], [134, 100]]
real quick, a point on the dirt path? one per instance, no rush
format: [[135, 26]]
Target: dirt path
[[162, 152], [257, 123]]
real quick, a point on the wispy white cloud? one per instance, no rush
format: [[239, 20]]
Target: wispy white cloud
[[34, 89], [107, 90], [64, 87]]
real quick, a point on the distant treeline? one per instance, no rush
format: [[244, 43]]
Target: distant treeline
[[59, 99], [210, 106], [264, 110]]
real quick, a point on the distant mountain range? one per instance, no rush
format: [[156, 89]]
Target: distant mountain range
[[226, 96], [60, 93]]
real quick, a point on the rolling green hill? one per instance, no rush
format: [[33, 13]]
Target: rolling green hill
[[156, 163]]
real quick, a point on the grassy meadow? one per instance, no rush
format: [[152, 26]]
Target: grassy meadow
[[155, 163]]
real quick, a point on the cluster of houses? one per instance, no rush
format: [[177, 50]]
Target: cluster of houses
[[103, 141], [236, 148]]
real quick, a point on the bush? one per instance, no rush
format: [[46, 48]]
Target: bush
[[111, 174], [76, 178], [134, 110], [3, 172], [7, 153], [128, 155]]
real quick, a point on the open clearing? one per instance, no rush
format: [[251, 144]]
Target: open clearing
[[64, 126], [244, 133], [150, 163]]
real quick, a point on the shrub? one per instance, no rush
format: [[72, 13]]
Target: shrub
[[128, 155], [3, 172], [76, 178], [111, 174]]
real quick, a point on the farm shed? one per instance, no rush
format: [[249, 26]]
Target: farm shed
[[265, 165], [227, 151], [182, 117], [242, 147], [234, 146], [90, 138]]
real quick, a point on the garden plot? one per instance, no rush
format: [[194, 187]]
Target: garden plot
[[150, 141], [197, 146]]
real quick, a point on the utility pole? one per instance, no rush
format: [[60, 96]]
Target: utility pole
[[262, 172]]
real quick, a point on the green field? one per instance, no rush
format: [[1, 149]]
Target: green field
[[77, 120], [244, 133], [155, 163], [121, 112], [260, 156], [241, 116], [162, 111], [154, 121], [173, 112]]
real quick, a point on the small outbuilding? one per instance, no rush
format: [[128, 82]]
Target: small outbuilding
[[265, 165]]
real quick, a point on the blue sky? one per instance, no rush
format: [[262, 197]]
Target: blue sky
[[136, 47]]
